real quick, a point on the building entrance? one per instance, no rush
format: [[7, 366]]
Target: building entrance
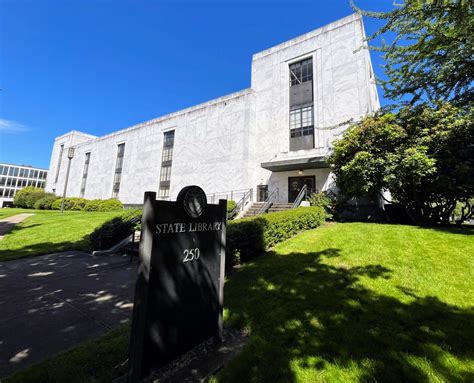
[[296, 183]]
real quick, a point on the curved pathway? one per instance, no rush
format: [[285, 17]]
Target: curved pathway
[[7, 224]]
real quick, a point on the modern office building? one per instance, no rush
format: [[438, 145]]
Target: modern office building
[[273, 137], [16, 177]]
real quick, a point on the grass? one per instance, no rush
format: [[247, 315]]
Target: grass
[[99, 360], [349, 302], [50, 231], [357, 302], [8, 212]]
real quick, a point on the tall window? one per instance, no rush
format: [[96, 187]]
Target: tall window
[[84, 174], [166, 162], [61, 149], [118, 170], [301, 72], [301, 105], [301, 122]]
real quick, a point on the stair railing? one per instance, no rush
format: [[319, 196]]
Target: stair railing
[[301, 195], [240, 206], [119, 229], [271, 197]]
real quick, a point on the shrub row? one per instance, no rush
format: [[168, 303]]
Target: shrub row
[[246, 238], [75, 203], [249, 237], [36, 198]]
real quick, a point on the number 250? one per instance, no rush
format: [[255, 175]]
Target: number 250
[[191, 255]]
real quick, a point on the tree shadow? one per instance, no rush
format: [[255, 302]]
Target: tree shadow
[[464, 229], [56, 301], [306, 314]]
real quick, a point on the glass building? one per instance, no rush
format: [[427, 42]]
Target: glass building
[[16, 177]]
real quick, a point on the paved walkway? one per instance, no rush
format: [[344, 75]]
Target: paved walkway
[[7, 224], [53, 302]]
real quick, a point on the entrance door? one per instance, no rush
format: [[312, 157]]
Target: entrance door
[[262, 193], [296, 183]]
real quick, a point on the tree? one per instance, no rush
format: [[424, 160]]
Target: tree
[[431, 57], [423, 155]]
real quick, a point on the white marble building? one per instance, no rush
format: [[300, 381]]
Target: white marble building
[[272, 136]]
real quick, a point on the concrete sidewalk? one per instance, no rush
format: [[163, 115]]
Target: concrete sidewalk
[[53, 302]]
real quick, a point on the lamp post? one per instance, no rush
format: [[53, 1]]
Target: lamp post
[[70, 155]]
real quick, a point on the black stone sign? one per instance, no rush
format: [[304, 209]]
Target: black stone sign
[[180, 284]]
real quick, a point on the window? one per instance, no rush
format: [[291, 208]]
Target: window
[[1, 192], [35, 174], [118, 170], [301, 117], [166, 161], [168, 139], [167, 154], [301, 72], [10, 181], [164, 192], [4, 170], [165, 173], [84, 174], [22, 172], [61, 149], [3, 180]]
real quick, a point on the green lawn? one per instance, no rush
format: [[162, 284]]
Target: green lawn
[[8, 212], [50, 231], [348, 302], [358, 302]]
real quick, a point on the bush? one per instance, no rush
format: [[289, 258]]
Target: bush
[[324, 201], [93, 205], [28, 196], [111, 204], [46, 202], [114, 230], [231, 205], [103, 205], [70, 203], [250, 237]]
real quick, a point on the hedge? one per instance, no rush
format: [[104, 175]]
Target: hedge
[[110, 204], [246, 238], [70, 203], [46, 202], [76, 203], [250, 237]]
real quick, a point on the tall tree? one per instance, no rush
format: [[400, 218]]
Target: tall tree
[[431, 57], [423, 155]]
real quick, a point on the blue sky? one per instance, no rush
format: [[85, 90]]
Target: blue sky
[[100, 66]]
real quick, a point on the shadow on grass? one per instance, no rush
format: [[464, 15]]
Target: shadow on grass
[[16, 250], [43, 248], [463, 229], [304, 314]]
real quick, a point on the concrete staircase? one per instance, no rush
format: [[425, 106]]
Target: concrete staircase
[[274, 207]]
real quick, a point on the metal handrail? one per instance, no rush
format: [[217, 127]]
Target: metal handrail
[[241, 204], [302, 194], [269, 201], [228, 195]]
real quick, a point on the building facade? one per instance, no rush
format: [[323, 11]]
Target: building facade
[[273, 137], [16, 177]]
